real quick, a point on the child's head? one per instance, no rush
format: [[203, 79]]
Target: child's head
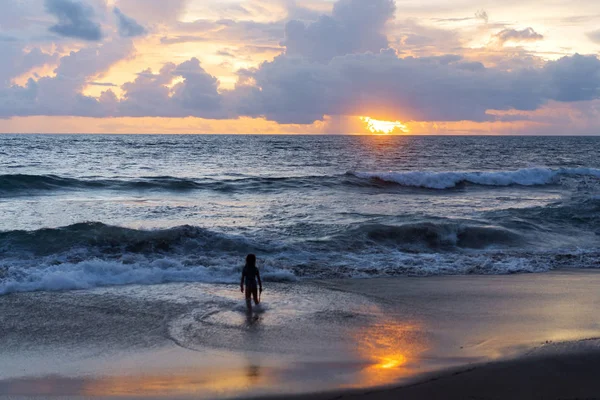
[[251, 260]]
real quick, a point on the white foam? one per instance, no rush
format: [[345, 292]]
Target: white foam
[[370, 263], [449, 179], [97, 273]]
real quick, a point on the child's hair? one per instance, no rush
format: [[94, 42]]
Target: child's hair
[[250, 260]]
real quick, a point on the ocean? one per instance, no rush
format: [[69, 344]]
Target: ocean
[[85, 211]]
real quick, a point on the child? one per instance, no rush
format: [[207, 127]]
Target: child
[[250, 274]]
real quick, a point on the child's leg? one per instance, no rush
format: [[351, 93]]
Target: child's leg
[[248, 298], [255, 295]]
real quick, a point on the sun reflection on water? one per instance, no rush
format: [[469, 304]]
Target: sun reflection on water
[[392, 350], [181, 383]]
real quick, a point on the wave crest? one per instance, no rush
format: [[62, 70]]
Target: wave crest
[[450, 179], [99, 239]]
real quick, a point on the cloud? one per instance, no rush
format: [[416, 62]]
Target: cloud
[[293, 90], [575, 78], [182, 39], [107, 84], [385, 86], [594, 36], [298, 12], [354, 26], [513, 35], [479, 15], [128, 27], [18, 14], [482, 15], [247, 32], [153, 11], [334, 66], [74, 19], [17, 61], [71, 76], [225, 53], [198, 91], [152, 94]]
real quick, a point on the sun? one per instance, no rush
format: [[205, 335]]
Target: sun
[[384, 127]]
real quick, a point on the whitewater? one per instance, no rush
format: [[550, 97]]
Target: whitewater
[[83, 211]]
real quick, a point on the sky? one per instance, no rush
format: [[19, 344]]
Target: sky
[[300, 66]]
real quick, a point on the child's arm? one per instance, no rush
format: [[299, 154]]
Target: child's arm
[[242, 280], [259, 281]]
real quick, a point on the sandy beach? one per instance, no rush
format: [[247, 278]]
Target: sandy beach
[[511, 336]]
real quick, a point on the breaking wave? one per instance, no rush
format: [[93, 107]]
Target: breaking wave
[[101, 240], [450, 179], [27, 184], [89, 255]]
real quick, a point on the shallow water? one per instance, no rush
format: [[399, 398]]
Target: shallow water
[[195, 341]]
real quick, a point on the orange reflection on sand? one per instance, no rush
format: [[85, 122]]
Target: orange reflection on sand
[[392, 349], [231, 381]]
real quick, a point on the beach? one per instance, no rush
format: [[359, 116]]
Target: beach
[[502, 336], [415, 185]]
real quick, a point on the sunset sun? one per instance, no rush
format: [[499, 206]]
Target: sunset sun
[[380, 127]]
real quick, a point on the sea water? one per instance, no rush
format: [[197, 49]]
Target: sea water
[[83, 211]]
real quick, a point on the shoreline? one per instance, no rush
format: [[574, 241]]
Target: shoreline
[[377, 338], [558, 373]]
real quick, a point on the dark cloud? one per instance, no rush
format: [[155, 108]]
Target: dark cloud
[[151, 94], [355, 26], [514, 35], [292, 90], [594, 36], [107, 84], [128, 27], [198, 91], [575, 78], [74, 19], [383, 85]]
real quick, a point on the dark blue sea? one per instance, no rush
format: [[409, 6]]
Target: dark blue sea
[[82, 211]]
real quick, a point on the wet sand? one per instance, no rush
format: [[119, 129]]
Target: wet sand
[[516, 336], [568, 371]]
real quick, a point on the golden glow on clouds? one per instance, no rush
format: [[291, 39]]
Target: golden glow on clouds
[[224, 50], [384, 127], [149, 125], [255, 126]]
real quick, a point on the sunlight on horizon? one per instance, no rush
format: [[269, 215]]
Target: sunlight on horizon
[[384, 127]]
